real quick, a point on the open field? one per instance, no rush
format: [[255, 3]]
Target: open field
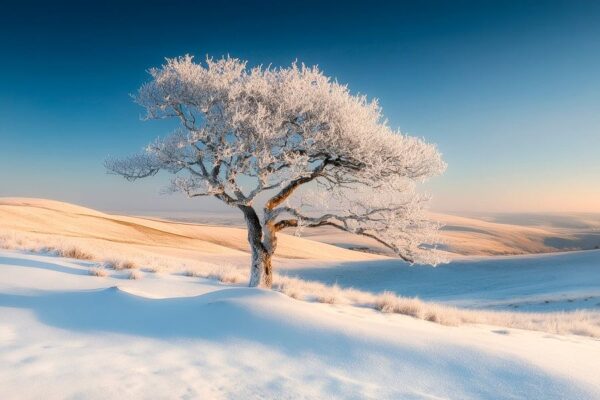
[[94, 305], [67, 334]]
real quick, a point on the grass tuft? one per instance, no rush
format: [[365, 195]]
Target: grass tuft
[[135, 275], [74, 252], [100, 272]]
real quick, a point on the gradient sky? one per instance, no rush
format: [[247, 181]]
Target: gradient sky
[[510, 91]]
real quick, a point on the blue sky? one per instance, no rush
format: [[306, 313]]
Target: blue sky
[[510, 91]]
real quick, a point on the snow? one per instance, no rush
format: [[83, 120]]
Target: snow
[[67, 334], [541, 283]]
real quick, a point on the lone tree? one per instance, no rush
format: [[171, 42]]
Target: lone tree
[[288, 147]]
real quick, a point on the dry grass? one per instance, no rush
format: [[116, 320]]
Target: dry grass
[[332, 296], [74, 252], [135, 275], [29, 242], [329, 299], [100, 272], [227, 274], [388, 302], [116, 264], [110, 263], [126, 264], [291, 291]]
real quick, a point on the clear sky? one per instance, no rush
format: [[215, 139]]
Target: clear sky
[[510, 91]]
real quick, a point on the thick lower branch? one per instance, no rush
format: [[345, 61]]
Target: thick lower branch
[[291, 223], [292, 186]]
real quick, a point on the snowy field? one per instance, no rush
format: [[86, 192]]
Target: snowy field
[[67, 334], [131, 314], [540, 283]]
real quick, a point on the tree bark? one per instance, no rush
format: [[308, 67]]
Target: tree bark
[[261, 271]]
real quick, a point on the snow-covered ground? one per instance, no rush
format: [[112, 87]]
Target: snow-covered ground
[[67, 334], [541, 283]]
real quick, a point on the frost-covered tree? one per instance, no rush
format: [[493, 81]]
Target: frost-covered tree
[[288, 147]]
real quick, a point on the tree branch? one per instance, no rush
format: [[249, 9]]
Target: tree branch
[[293, 185]]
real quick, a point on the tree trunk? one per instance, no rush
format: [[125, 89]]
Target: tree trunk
[[261, 271]]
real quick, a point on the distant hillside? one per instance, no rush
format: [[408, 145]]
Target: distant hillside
[[217, 236], [63, 220], [471, 236]]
